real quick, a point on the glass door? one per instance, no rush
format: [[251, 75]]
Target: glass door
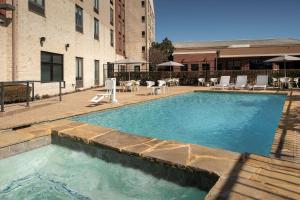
[[79, 72], [97, 73]]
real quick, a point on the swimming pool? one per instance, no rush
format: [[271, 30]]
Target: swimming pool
[[232, 121], [56, 172]]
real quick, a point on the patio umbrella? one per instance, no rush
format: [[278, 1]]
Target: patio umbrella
[[129, 61], [170, 64], [283, 59]]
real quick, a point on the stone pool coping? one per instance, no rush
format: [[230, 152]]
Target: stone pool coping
[[242, 176]]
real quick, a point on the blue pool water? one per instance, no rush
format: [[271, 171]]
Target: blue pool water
[[236, 122], [56, 172]]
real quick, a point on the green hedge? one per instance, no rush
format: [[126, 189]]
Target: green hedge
[[15, 93]]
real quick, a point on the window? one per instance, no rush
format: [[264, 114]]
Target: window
[[123, 68], [143, 49], [96, 6], [143, 19], [79, 19], [143, 4], [52, 67], [195, 67], [79, 72], [185, 67], [137, 68], [97, 72], [96, 29], [111, 16], [112, 39], [234, 65], [143, 34], [37, 6]]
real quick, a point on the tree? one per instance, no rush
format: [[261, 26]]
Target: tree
[[161, 52]]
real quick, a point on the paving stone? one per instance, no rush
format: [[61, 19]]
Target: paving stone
[[13, 137], [173, 155], [85, 133], [119, 141]]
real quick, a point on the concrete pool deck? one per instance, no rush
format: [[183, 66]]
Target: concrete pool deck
[[242, 176]]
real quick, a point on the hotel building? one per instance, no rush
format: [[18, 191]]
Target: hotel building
[[68, 40], [235, 55]]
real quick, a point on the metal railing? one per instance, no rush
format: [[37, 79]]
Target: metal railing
[[27, 83]]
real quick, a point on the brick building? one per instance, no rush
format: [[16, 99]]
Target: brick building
[[234, 55]]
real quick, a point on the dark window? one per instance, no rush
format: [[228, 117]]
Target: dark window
[[96, 28], [111, 16], [52, 67], [205, 66], [112, 39], [185, 67], [143, 4], [143, 34], [234, 65], [195, 67], [79, 18], [79, 72], [143, 19], [137, 68], [96, 6], [37, 6], [143, 49], [258, 63]]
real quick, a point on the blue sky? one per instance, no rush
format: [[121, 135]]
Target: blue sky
[[198, 20]]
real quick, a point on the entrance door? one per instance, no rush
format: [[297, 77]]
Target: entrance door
[[79, 72], [97, 72]]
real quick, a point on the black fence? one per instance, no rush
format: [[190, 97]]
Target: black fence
[[191, 77]]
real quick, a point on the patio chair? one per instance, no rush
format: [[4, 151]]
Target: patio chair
[[213, 81], [150, 85], [241, 82], [285, 82], [201, 81], [275, 82], [136, 85], [162, 85], [176, 81], [297, 82], [261, 82], [129, 86], [224, 82]]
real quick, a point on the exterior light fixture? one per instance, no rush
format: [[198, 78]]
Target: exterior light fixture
[[42, 40], [67, 46]]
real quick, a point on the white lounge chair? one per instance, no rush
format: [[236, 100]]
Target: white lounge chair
[[101, 96], [241, 82], [261, 82], [224, 82]]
